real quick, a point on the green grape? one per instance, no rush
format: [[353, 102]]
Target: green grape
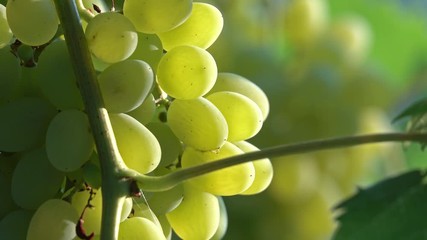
[[55, 219], [98, 64], [92, 172], [225, 182], [126, 209], [263, 170], [166, 201], [138, 227], [10, 72], [7, 204], [166, 227], [168, 141], [243, 116], [125, 85], [5, 32], [23, 124], [149, 49], [223, 221], [236, 83], [201, 29], [140, 209], [144, 113], [58, 83], [14, 226], [186, 72], [198, 123], [153, 16], [197, 217], [39, 25], [138, 147], [111, 37], [92, 215], [35, 180], [69, 126]]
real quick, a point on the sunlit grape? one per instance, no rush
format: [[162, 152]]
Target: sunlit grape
[[5, 32], [137, 227], [144, 113]]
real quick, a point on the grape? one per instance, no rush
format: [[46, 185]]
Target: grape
[[236, 83], [24, 123], [197, 217], [223, 221], [55, 219], [144, 113], [138, 147], [40, 23], [225, 182], [14, 226], [186, 72], [92, 172], [149, 49], [201, 29], [92, 215], [153, 16], [5, 32], [198, 123], [69, 141], [35, 180], [125, 85], [111, 37], [166, 227], [243, 116], [168, 141], [58, 83], [140, 209], [138, 227], [10, 72], [6, 200], [166, 201], [126, 209], [263, 170]]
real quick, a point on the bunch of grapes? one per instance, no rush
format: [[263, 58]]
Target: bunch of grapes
[[169, 109]]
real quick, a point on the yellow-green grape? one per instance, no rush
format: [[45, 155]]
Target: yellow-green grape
[[39, 25], [69, 140], [236, 83], [58, 83], [223, 221], [23, 124], [166, 227], [166, 201], [263, 170], [198, 123], [201, 29], [225, 182], [144, 113], [92, 215], [10, 70], [5, 32], [153, 16], [187, 72], [55, 219], [92, 172], [168, 141], [138, 227], [149, 49], [35, 180], [243, 116], [138, 147], [125, 85], [14, 226], [126, 209], [111, 37], [197, 217]]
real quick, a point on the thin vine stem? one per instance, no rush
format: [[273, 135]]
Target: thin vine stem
[[161, 183]]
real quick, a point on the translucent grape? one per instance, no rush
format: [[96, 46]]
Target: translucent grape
[[198, 123], [263, 170], [144, 113], [5, 32], [126, 209], [197, 217], [35, 180], [40, 23], [201, 29], [138, 147], [14, 226], [55, 219], [223, 221], [58, 83], [149, 49], [125, 85], [69, 141], [236, 83], [166, 201], [153, 16], [243, 116], [111, 37], [187, 72], [168, 141], [225, 182], [138, 227], [10, 72], [23, 124]]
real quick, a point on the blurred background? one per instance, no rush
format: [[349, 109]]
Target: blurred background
[[330, 68]]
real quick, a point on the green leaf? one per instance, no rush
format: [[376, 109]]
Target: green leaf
[[393, 209], [417, 108]]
